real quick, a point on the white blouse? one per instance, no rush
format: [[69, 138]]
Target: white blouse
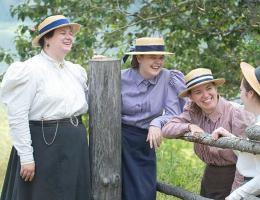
[[41, 88], [248, 165]]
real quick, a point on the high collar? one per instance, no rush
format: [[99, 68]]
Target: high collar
[[139, 79], [52, 60]]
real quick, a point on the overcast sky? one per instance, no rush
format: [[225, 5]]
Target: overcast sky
[[8, 26]]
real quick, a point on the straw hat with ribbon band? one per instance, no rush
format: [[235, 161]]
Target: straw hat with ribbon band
[[147, 46], [198, 77], [51, 23], [252, 75]]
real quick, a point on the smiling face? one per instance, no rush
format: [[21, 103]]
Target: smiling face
[[205, 96], [61, 42], [150, 65]]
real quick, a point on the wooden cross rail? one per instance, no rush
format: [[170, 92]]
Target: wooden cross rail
[[234, 143]]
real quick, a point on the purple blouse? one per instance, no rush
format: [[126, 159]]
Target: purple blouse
[[151, 102]]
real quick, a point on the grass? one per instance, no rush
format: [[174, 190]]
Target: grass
[[179, 166], [5, 144], [176, 163]]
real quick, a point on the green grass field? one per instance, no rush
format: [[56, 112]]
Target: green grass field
[[177, 164], [5, 145]]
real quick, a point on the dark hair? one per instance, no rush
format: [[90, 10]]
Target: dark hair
[[134, 62], [248, 88], [47, 35]]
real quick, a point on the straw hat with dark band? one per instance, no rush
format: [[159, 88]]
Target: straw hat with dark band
[[148, 46], [252, 75], [51, 23], [198, 77]]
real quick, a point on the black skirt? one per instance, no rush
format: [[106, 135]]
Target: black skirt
[[217, 181], [138, 165], [62, 170]]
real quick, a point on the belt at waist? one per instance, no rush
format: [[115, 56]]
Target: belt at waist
[[72, 120]]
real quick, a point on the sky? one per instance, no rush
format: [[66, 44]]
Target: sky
[[8, 26]]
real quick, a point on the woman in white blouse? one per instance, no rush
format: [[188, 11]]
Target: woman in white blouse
[[45, 98], [247, 164]]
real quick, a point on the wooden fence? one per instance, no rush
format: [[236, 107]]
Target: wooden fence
[[105, 135]]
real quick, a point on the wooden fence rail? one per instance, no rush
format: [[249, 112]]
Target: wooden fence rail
[[234, 143]]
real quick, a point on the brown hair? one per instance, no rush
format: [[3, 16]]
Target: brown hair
[[47, 35], [134, 62], [248, 88]]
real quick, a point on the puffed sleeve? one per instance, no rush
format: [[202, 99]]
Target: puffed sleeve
[[18, 89], [173, 104]]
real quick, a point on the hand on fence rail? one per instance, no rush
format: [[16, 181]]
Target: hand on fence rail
[[235, 143]]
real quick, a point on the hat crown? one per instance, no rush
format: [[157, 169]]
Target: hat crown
[[252, 75], [50, 20], [146, 41], [193, 74]]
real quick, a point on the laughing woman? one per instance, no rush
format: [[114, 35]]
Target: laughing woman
[[247, 164], [45, 98], [204, 113], [149, 99]]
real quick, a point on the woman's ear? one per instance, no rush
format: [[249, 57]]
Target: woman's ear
[[250, 94], [138, 58]]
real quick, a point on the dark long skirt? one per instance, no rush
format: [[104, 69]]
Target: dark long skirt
[[62, 169], [217, 181], [138, 165]]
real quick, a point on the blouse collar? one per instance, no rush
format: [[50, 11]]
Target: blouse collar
[[55, 62], [139, 79]]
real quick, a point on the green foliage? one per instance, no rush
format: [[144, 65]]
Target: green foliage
[[202, 33]]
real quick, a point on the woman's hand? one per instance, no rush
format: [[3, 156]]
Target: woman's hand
[[221, 132], [154, 136], [195, 130], [27, 171]]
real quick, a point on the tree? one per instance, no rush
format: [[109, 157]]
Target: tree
[[202, 33]]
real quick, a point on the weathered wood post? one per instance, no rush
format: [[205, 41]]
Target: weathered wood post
[[105, 128]]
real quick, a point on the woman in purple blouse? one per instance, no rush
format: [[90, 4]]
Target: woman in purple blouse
[[149, 99]]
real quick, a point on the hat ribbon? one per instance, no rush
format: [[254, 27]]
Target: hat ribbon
[[143, 48], [126, 56], [199, 79], [257, 74], [53, 24]]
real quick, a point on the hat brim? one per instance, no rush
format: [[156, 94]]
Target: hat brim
[[248, 72], [149, 53], [75, 28], [218, 82]]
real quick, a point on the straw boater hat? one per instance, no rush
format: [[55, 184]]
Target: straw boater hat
[[51, 23], [198, 77], [149, 45], [252, 75]]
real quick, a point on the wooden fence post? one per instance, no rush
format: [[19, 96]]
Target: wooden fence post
[[105, 128]]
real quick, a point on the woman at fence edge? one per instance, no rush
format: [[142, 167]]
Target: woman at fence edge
[[207, 111], [247, 164], [149, 98], [45, 98]]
